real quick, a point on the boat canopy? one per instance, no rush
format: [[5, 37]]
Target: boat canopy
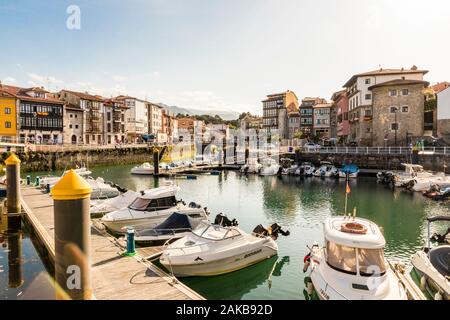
[[350, 168], [372, 238], [412, 167], [176, 222]]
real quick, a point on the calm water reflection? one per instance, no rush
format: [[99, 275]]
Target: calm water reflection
[[22, 274], [299, 205]]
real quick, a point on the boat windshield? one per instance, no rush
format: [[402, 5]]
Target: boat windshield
[[343, 258], [215, 232], [140, 204]]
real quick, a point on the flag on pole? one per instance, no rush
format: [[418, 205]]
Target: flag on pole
[[347, 188]]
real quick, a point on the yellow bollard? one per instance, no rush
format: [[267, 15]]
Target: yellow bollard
[[71, 196], [13, 184]]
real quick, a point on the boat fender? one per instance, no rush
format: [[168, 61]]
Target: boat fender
[[423, 283], [306, 262], [438, 296]]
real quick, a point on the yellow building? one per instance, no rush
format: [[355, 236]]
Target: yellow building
[[8, 122]]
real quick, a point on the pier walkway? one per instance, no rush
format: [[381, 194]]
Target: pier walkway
[[113, 276]]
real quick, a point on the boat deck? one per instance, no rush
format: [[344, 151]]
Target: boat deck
[[113, 276]]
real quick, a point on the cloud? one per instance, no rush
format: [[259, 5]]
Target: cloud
[[37, 80], [9, 80]]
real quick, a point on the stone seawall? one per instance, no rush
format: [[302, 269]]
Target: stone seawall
[[378, 161], [45, 161]]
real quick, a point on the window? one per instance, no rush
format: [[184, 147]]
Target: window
[[370, 261], [70, 126], [405, 92], [394, 126], [393, 110], [341, 258], [405, 109], [7, 110], [393, 93], [368, 96], [71, 115], [367, 81], [8, 124], [76, 126]]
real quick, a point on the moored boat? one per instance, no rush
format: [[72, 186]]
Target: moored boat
[[144, 169], [305, 169], [432, 265], [213, 250], [326, 169], [150, 208], [252, 166], [269, 167], [352, 266], [349, 170]]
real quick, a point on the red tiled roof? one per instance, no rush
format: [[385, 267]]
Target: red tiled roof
[[21, 94], [84, 96], [440, 86]]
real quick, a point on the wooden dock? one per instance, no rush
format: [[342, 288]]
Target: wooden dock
[[113, 276]]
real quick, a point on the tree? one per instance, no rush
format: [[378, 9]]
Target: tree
[[298, 135]]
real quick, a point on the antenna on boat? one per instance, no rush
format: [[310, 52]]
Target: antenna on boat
[[354, 213]]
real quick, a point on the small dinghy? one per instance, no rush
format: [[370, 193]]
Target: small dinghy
[[252, 166], [174, 227], [351, 265], [144, 169], [213, 250], [432, 265], [269, 167], [52, 180]]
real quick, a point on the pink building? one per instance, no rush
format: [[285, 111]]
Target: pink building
[[341, 103]]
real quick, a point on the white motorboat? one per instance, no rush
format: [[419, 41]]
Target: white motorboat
[[352, 266], [252, 166], [305, 169], [176, 226], [144, 169], [149, 209], [288, 166], [269, 167], [432, 265], [109, 205], [424, 184], [411, 172], [212, 250], [101, 189], [52, 180], [326, 169]]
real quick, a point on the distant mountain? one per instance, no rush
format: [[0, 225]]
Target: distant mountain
[[226, 115]]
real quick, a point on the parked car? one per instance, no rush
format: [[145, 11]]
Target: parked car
[[311, 147]]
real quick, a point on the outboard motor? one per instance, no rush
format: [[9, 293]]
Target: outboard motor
[[272, 231], [223, 221]]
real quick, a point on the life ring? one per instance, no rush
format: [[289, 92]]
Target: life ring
[[353, 227]]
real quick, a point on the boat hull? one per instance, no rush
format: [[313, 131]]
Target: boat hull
[[222, 266]]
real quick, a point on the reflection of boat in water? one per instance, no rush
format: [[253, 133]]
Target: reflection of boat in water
[[236, 285]]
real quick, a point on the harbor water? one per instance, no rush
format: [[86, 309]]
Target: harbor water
[[298, 205]]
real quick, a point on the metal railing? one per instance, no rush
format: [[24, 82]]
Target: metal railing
[[378, 150]]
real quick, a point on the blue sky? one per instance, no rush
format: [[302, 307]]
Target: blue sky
[[218, 54]]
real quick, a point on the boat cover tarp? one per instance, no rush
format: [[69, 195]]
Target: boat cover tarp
[[176, 222], [440, 259], [349, 168]]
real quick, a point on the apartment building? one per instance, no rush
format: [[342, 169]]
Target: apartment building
[[293, 120], [40, 115], [340, 104], [136, 118], [361, 98], [92, 109], [307, 114], [275, 121], [8, 115], [322, 120], [155, 118], [115, 121]]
